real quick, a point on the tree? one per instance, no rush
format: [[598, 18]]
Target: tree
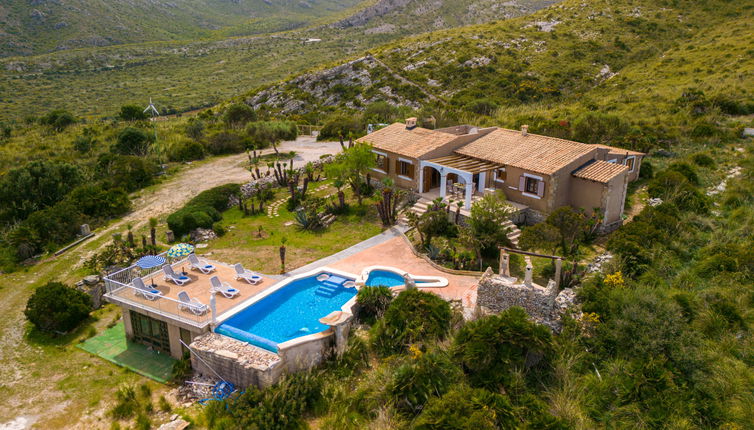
[[351, 166], [132, 113], [35, 186], [195, 128], [58, 308], [132, 141], [487, 222], [389, 200], [565, 229], [492, 349], [238, 114], [282, 254], [153, 231], [264, 133]]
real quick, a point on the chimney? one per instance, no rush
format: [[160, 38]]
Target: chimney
[[524, 130], [410, 123]]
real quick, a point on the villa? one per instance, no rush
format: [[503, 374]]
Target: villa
[[537, 174]]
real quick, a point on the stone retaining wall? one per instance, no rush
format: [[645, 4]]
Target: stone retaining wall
[[238, 362]]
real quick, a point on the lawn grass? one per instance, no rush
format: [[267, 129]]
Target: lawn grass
[[243, 243]]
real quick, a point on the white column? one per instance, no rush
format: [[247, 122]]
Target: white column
[[421, 177], [469, 192], [528, 275], [482, 182], [213, 308], [443, 185]]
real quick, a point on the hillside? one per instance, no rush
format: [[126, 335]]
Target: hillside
[[184, 75], [567, 55], [38, 26]]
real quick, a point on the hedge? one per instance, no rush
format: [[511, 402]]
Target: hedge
[[203, 210]]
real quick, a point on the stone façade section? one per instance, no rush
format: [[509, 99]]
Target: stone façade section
[[545, 305], [237, 362]]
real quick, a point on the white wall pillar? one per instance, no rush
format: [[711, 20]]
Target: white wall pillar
[[421, 177], [443, 185], [469, 192], [482, 182], [528, 276]]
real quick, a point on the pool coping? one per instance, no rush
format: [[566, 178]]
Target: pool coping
[[346, 307]]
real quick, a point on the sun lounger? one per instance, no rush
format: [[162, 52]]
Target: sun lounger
[[200, 265], [170, 275], [247, 275], [191, 304], [148, 293], [223, 288]]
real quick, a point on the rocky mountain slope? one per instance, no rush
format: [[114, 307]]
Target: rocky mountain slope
[[36, 26], [605, 50]]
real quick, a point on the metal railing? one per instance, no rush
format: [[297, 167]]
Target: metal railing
[[120, 289]]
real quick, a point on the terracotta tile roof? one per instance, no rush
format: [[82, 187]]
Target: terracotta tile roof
[[541, 154], [409, 143], [600, 171], [617, 150]]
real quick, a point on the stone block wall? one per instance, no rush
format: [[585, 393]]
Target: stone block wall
[[238, 362]]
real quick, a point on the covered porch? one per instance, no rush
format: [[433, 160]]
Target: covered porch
[[466, 174]]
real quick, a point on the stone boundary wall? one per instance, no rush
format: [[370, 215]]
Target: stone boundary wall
[[238, 362]]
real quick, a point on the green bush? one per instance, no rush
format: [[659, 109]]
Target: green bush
[[128, 172], [342, 126], [203, 210], [238, 114], [647, 170], [55, 307], [186, 150], [464, 408], [225, 142], [490, 350], [712, 265], [59, 120], [373, 301], [96, 202], [264, 133], [413, 317], [132, 141], [702, 159], [218, 229], [415, 382], [132, 113], [686, 170]]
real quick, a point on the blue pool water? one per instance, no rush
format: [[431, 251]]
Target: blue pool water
[[290, 312], [385, 278]]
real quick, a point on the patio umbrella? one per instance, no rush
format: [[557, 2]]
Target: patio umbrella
[[150, 261], [180, 250]]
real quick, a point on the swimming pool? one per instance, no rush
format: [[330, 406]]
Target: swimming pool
[[290, 312], [392, 277]]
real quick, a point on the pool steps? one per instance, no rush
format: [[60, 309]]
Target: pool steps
[[330, 286]]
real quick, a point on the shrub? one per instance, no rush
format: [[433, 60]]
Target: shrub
[[264, 133], [686, 170], [238, 114], [647, 170], [36, 185], [132, 113], [203, 210], [414, 383], [83, 143], [59, 120], [186, 150], [94, 201], [702, 159], [373, 301], [341, 126], [491, 349], [413, 317], [125, 171], [464, 408], [715, 264], [57, 307], [132, 141], [218, 229], [225, 143]]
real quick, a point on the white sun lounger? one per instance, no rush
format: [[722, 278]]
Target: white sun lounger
[[148, 293], [247, 275], [223, 288], [191, 304], [200, 265], [170, 275]]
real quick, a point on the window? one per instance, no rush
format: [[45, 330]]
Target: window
[[500, 174], [382, 162], [150, 331], [531, 185], [630, 161], [614, 160], [406, 169]]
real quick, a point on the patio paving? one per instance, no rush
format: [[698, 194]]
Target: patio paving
[[113, 346]]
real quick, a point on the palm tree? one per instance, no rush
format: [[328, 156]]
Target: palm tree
[[282, 254], [153, 230]]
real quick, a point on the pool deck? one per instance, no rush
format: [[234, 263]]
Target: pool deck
[[397, 253]]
